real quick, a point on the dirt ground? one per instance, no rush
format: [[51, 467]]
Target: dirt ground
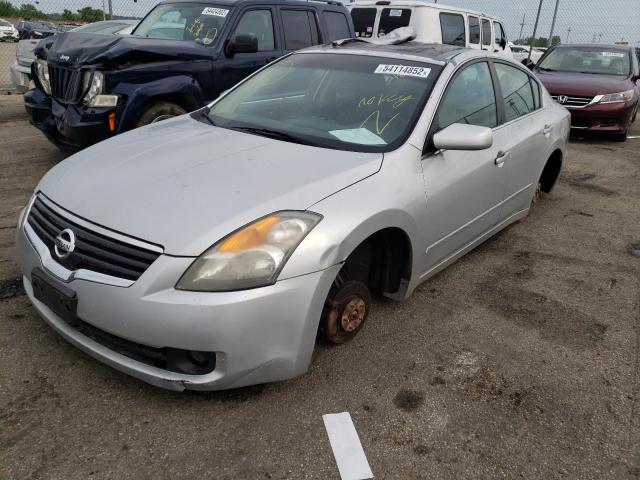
[[519, 361]]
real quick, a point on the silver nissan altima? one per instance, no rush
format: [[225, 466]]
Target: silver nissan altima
[[210, 250]]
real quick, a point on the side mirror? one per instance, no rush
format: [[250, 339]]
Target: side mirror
[[503, 43], [246, 43], [459, 136], [527, 62]]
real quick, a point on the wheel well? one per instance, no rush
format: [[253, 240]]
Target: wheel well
[[551, 171], [382, 261], [185, 101]]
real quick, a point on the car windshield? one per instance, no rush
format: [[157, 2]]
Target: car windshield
[[596, 60], [339, 101], [198, 22]]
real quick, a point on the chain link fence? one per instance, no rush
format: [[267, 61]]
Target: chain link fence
[[554, 21]]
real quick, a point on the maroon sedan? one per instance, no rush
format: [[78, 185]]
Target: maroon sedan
[[597, 83]]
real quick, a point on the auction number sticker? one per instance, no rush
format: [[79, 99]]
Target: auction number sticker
[[612, 54], [403, 70], [216, 12], [395, 13]]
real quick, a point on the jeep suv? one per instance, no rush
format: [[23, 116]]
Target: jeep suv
[[182, 55]]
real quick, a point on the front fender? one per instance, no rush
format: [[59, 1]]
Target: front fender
[[183, 88]]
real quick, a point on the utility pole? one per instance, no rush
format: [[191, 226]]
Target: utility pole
[[553, 22], [522, 25], [535, 30], [110, 10], [568, 33]]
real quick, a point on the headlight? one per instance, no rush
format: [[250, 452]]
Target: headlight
[[250, 257], [621, 97], [43, 75], [93, 84]]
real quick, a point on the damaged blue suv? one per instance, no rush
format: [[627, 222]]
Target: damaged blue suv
[[182, 55]]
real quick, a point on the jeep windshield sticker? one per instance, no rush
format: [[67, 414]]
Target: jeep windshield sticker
[[612, 54], [216, 12], [395, 13], [360, 135], [403, 70]]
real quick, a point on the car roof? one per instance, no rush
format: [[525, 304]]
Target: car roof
[[622, 48], [233, 3], [417, 4], [427, 52]]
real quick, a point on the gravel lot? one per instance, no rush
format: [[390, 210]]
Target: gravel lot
[[521, 360], [7, 57]]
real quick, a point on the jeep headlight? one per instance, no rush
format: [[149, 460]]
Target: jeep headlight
[[42, 71], [252, 256], [93, 84], [621, 97]]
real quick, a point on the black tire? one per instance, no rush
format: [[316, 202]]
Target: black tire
[[621, 137], [158, 111], [345, 312]]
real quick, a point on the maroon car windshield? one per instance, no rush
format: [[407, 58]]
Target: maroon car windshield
[[596, 60]]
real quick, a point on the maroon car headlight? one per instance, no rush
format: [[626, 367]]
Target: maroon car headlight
[[622, 97]]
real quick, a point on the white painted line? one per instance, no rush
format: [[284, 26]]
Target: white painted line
[[633, 136], [346, 446]]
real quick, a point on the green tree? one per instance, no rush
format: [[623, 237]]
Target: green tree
[[88, 14], [68, 15], [30, 11], [7, 10]]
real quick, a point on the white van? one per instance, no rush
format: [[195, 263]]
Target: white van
[[433, 22]]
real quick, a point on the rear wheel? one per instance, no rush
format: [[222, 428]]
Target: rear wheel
[[346, 309], [159, 111]]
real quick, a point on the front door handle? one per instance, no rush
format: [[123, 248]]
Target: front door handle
[[546, 130], [501, 158]]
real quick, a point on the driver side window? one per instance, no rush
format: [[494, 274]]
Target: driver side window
[[260, 24], [469, 99]]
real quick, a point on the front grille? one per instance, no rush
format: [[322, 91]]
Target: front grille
[[573, 101], [93, 251], [66, 84]]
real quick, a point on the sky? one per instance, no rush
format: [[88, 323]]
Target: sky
[[587, 19]]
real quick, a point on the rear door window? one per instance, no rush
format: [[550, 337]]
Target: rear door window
[[392, 18], [337, 25], [363, 21], [453, 31], [300, 29], [486, 32], [516, 91], [474, 30]]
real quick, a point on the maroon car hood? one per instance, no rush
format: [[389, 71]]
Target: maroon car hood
[[583, 84]]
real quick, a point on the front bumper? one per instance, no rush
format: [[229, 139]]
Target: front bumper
[[9, 37], [259, 335], [20, 76], [608, 117], [68, 126]]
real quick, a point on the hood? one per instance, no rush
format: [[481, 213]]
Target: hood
[[583, 84], [184, 184], [77, 48]]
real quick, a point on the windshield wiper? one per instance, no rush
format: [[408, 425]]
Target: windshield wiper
[[546, 69], [267, 132]]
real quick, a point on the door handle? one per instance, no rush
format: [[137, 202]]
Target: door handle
[[500, 159], [546, 130]]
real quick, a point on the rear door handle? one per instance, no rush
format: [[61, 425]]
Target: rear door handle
[[546, 130], [501, 158]]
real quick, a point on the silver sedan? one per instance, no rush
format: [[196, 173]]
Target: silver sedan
[[208, 251]]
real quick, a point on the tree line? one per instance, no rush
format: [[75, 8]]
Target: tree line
[[27, 10]]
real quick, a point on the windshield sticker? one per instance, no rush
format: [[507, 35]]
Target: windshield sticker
[[216, 12], [360, 135], [612, 54], [395, 13], [403, 70]]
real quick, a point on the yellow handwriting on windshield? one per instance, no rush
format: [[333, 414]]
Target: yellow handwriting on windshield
[[376, 113], [395, 100]]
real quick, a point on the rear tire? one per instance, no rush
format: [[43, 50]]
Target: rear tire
[[346, 309], [159, 111]]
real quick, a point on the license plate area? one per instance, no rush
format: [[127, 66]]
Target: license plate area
[[59, 298]]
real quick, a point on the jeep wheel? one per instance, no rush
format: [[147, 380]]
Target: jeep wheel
[[159, 111]]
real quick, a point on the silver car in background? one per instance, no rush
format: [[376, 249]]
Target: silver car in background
[[207, 251]]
